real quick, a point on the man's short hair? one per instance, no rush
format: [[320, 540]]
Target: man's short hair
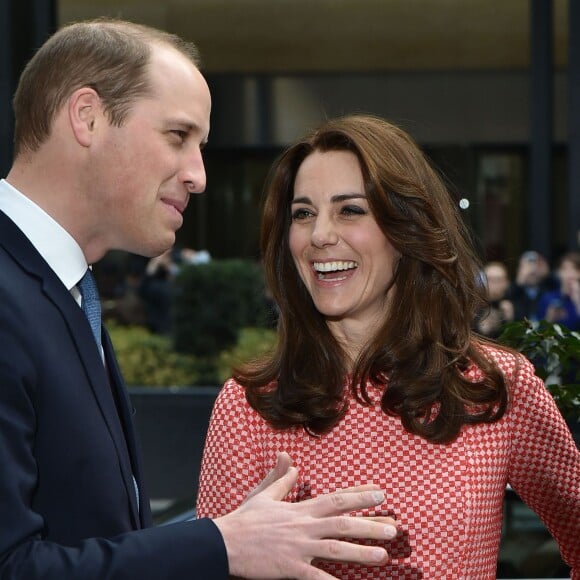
[[110, 56]]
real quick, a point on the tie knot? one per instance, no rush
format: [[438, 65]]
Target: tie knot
[[88, 287], [91, 304]]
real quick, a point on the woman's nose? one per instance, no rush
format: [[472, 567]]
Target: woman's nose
[[324, 233]]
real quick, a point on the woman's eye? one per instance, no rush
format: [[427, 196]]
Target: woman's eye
[[301, 214], [349, 210]]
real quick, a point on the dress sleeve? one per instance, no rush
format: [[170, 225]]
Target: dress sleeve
[[545, 462], [232, 465]]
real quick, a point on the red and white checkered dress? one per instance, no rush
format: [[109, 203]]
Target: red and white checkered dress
[[447, 499]]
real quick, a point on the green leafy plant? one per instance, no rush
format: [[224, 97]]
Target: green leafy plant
[[554, 351], [214, 301], [252, 343], [148, 359]]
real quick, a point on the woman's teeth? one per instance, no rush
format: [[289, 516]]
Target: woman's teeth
[[334, 266]]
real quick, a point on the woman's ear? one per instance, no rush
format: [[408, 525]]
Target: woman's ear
[[84, 109]]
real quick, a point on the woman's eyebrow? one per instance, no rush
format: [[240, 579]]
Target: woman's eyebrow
[[338, 198], [302, 199], [346, 196]]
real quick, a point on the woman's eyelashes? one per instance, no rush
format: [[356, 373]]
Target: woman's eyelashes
[[353, 210], [346, 211], [301, 213]]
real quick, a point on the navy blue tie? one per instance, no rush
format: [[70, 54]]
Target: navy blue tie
[[91, 304]]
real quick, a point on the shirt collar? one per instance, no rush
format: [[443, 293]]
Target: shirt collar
[[58, 248]]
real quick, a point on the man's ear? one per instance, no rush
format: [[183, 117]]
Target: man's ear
[[84, 110]]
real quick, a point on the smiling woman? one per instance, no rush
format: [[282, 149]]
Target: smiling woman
[[377, 375], [342, 256]]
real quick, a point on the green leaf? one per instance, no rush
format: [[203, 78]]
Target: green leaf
[[554, 350]]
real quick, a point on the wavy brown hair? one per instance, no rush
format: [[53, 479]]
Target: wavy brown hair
[[425, 342]]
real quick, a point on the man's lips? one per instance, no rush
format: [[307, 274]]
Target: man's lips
[[179, 205]]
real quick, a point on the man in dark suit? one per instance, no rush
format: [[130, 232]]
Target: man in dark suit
[[111, 118]]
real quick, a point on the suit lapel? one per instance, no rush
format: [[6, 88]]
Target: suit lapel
[[18, 245], [125, 410]]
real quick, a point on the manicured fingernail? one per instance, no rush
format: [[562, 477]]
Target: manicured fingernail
[[390, 532], [378, 496], [378, 555]]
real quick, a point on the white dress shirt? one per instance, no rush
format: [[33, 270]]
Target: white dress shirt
[[58, 248]]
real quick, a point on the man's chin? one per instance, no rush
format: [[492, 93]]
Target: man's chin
[[154, 250]]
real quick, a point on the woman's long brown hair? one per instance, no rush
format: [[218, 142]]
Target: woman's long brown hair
[[425, 342]]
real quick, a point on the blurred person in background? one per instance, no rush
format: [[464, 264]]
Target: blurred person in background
[[156, 292], [499, 309], [533, 277], [377, 373], [563, 305], [156, 288]]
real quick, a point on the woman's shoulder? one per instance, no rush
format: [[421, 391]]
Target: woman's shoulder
[[233, 392], [232, 397], [508, 361], [523, 383], [233, 387]]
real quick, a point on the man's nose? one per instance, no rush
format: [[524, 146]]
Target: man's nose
[[193, 173]]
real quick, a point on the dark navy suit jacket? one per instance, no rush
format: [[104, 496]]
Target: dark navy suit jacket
[[68, 449]]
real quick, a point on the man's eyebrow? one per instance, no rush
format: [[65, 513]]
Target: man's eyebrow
[[338, 198], [188, 126], [181, 122]]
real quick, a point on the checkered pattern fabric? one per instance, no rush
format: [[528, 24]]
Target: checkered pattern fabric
[[448, 499]]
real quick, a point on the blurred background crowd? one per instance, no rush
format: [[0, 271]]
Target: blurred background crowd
[[536, 292]]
